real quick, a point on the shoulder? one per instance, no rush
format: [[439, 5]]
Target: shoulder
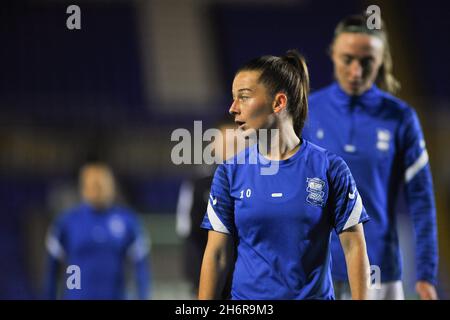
[[70, 215], [319, 95], [126, 213], [396, 106], [325, 158], [317, 152]]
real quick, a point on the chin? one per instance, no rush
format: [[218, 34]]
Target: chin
[[248, 133], [354, 91]]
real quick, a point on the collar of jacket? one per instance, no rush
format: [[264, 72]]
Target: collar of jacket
[[370, 101]]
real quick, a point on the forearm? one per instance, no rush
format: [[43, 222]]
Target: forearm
[[215, 267], [421, 206], [358, 271], [50, 287], [212, 277], [355, 251], [143, 278]]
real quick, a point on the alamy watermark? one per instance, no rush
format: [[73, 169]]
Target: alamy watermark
[[374, 280], [73, 22], [373, 17], [190, 150], [73, 281]]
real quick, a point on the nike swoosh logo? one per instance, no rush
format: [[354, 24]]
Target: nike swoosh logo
[[352, 195]]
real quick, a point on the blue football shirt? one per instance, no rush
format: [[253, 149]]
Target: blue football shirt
[[99, 243], [282, 222]]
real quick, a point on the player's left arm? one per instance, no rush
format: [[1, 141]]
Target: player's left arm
[[421, 205], [349, 215], [354, 246], [139, 253]]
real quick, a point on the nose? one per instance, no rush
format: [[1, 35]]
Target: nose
[[356, 69], [234, 109]]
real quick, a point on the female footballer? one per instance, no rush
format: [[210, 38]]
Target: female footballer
[[272, 230], [379, 137]]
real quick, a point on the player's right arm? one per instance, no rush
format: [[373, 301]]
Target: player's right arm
[[216, 265]]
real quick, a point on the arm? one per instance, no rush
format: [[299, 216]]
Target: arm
[[55, 259], [138, 253], [349, 214], [421, 206], [51, 278], [354, 246], [216, 265], [426, 290], [143, 278]]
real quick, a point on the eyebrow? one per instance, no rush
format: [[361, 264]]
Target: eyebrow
[[346, 55], [244, 89]]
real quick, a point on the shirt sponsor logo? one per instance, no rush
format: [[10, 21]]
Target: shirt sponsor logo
[[352, 195], [213, 199], [315, 188]]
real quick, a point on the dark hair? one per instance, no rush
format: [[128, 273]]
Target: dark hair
[[287, 74], [358, 24]]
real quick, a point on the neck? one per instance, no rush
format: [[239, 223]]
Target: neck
[[279, 143]]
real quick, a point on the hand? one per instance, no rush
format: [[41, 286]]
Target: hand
[[426, 290]]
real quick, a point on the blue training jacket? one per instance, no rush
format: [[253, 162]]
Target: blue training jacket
[[98, 243], [380, 138]]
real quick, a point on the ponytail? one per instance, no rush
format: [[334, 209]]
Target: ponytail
[[299, 112]]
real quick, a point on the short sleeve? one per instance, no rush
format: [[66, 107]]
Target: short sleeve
[[347, 207], [220, 212]]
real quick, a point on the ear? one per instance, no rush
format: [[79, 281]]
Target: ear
[[279, 102]]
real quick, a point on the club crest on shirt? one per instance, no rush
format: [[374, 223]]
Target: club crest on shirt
[[320, 133], [383, 139], [315, 189], [116, 227]]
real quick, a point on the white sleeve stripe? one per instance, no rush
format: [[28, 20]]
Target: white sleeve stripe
[[353, 219], [54, 247], [416, 166], [215, 221]]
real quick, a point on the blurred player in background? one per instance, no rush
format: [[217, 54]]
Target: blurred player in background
[[191, 208], [100, 238], [380, 138], [280, 221]]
